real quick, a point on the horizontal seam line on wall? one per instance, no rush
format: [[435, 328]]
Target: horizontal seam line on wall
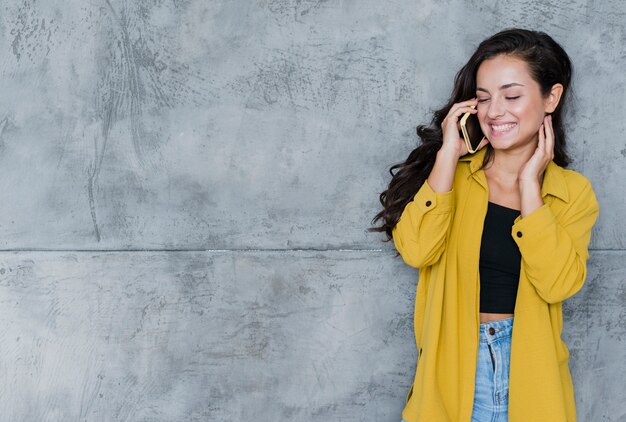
[[233, 250], [198, 250]]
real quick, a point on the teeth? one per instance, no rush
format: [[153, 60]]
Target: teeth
[[503, 127]]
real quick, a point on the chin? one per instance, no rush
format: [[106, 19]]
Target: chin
[[503, 144], [515, 145]]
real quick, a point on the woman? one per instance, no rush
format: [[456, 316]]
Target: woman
[[500, 238]]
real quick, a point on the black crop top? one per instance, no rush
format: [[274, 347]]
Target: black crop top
[[500, 261]]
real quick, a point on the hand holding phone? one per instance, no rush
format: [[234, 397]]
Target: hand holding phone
[[471, 131]]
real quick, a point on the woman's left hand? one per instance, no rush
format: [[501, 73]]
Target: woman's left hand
[[532, 170]]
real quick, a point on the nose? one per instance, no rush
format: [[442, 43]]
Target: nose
[[495, 108]]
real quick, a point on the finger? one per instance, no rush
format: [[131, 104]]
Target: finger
[[542, 138], [462, 110], [462, 105], [550, 136], [455, 117], [471, 101]]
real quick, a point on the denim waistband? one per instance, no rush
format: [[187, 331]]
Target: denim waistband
[[502, 327]]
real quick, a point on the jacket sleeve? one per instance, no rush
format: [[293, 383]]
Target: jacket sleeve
[[421, 232], [555, 251]]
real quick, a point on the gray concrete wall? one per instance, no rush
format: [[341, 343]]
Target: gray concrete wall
[[186, 187]]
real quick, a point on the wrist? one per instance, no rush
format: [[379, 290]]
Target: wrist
[[532, 185], [531, 199], [448, 154]]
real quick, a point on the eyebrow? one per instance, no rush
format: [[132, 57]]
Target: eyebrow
[[505, 86]]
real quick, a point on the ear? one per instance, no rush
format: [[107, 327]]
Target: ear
[[553, 98]]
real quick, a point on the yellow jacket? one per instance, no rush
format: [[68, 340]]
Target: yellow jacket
[[440, 233]]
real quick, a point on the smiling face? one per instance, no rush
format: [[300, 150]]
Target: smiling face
[[511, 106]]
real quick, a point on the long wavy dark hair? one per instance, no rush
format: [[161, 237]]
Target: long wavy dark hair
[[548, 64]]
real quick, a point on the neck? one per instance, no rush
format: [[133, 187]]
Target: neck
[[506, 164]]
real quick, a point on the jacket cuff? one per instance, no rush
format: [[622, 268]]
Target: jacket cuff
[[532, 226], [434, 202]]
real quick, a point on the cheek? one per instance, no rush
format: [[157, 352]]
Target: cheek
[[533, 121], [482, 115], [529, 116]]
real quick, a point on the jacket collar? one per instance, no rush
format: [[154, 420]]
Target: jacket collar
[[553, 181]]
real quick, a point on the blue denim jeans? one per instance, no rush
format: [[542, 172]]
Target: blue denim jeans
[[491, 395]]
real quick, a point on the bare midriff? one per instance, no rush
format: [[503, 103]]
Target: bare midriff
[[487, 317]]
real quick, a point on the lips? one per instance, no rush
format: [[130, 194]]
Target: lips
[[502, 128]]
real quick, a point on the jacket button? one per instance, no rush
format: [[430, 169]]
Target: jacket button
[[492, 330], [428, 203], [519, 234]]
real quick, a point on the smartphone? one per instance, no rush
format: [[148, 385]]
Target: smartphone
[[470, 129]]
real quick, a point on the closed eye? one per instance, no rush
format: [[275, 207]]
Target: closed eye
[[513, 98]]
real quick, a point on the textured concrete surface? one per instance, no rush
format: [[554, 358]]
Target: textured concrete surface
[[594, 329], [225, 137], [204, 336], [255, 335]]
